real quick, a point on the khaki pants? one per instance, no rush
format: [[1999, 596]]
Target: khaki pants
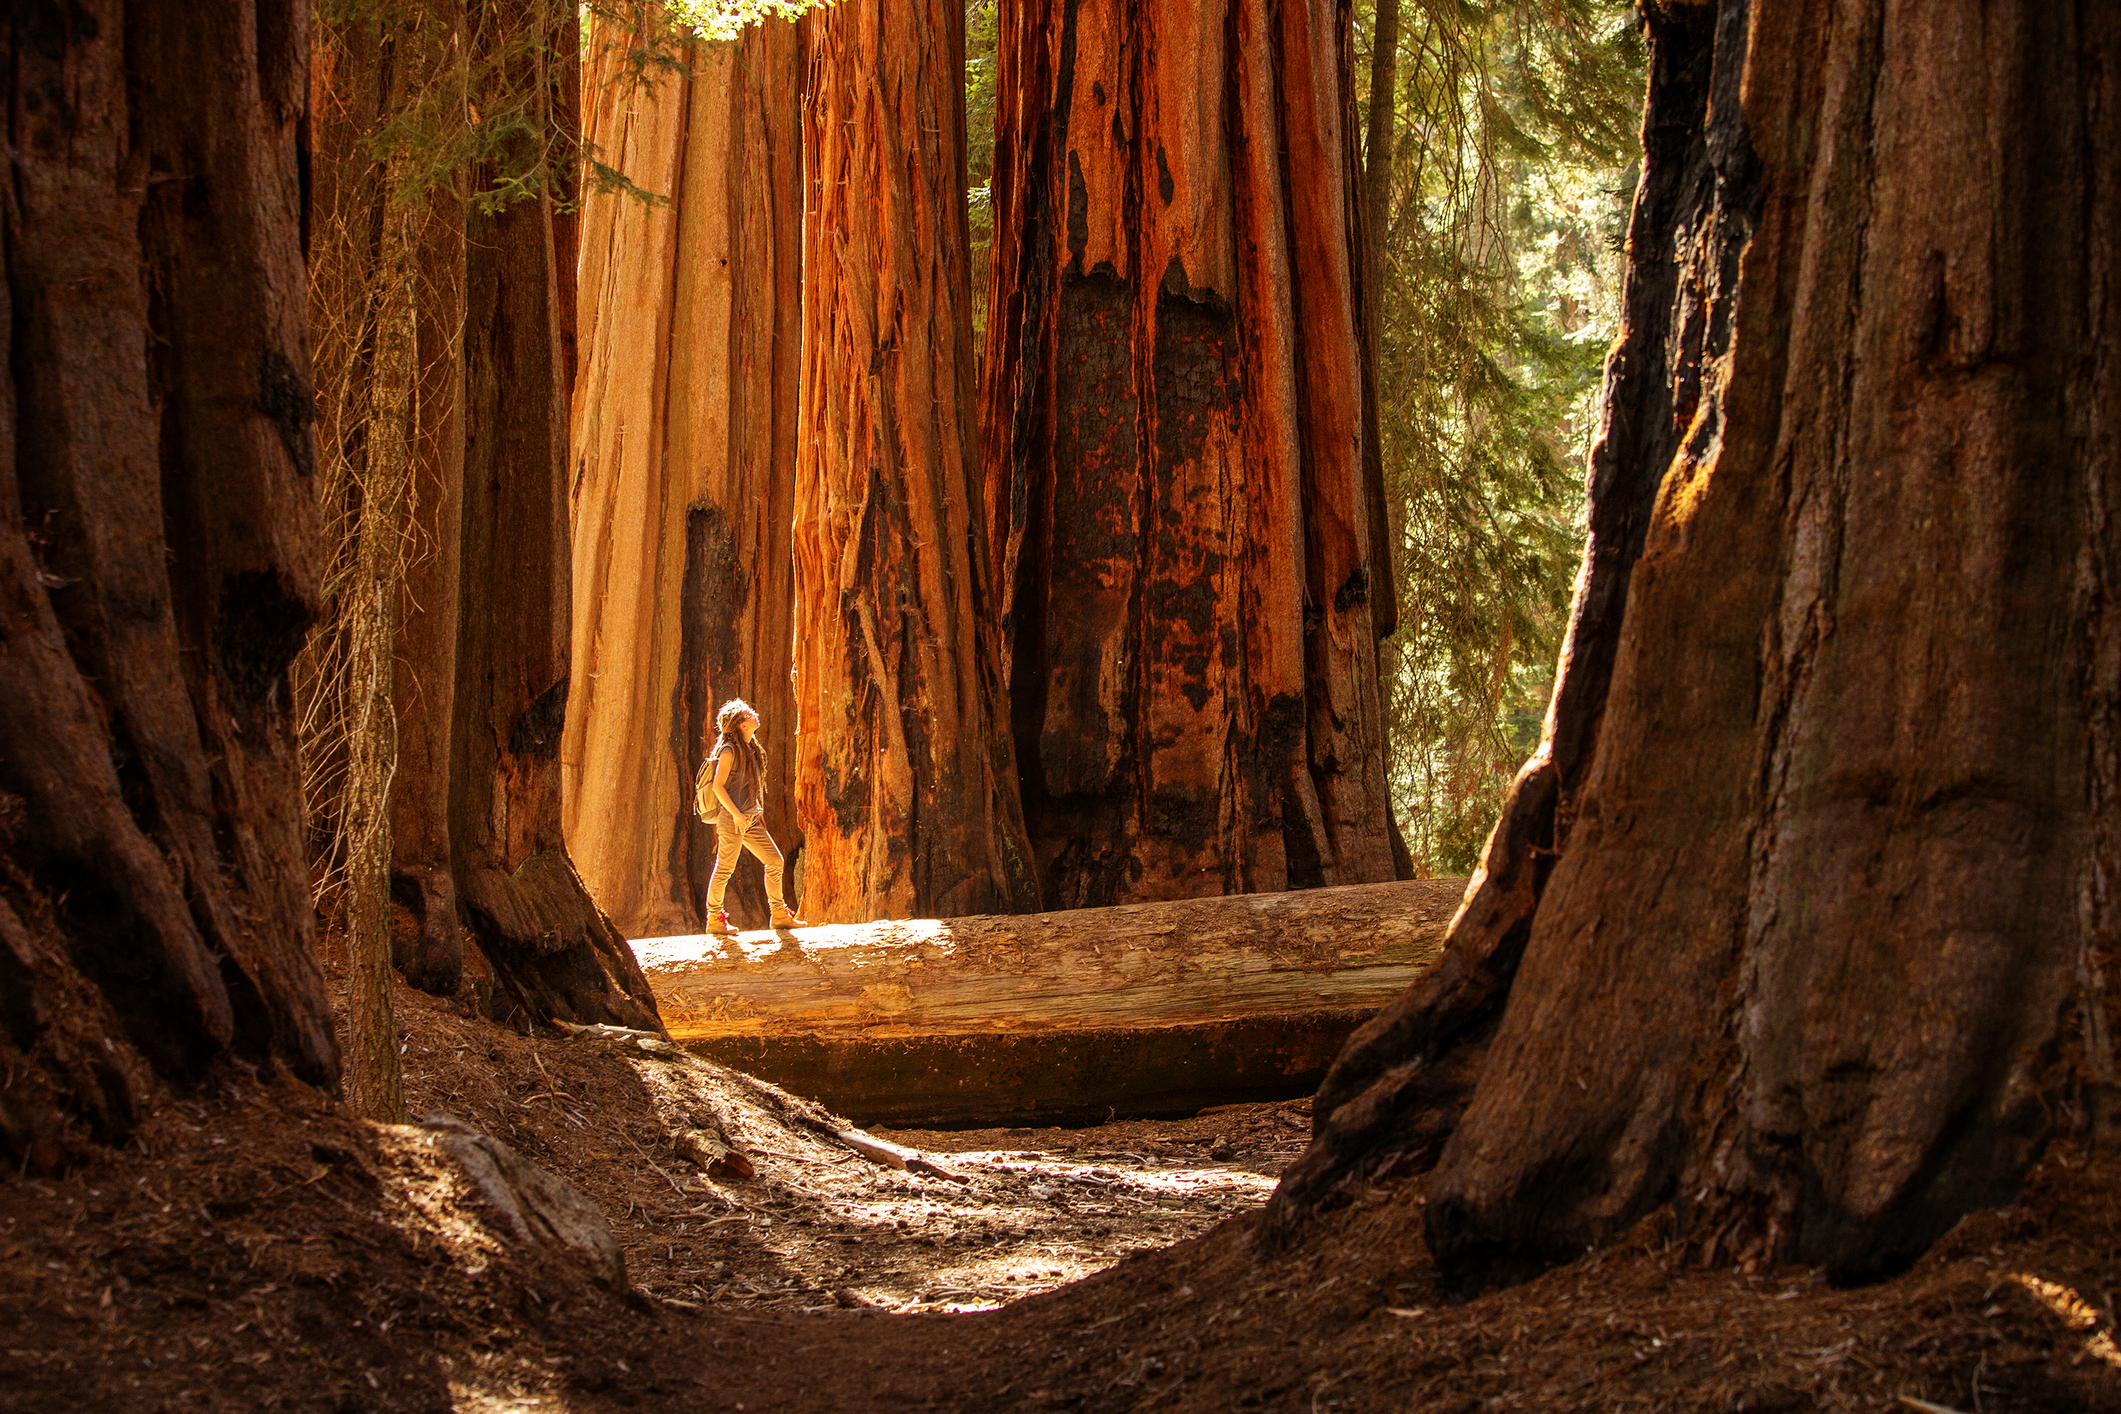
[[731, 839]]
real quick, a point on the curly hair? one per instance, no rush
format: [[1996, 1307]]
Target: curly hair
[[726, 717]]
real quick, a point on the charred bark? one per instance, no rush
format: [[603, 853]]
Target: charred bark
[[684, 434], [158, 537], [1800, 920], [906, 783], [1183, 486]]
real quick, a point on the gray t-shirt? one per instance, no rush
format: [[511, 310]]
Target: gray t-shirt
[[747, 774]]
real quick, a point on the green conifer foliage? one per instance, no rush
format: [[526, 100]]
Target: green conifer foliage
[[1498, 294]]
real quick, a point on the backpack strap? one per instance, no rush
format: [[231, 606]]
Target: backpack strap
[[705, 803]]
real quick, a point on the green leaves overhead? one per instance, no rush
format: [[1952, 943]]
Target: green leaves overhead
[[480, 102]]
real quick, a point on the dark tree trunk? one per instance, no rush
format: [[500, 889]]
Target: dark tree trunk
[[684, 435], [1374, 213], [1183, 486], [906, 784], [555, 953], [159, 538], [428, 937], [1801, 919], [485, 902]]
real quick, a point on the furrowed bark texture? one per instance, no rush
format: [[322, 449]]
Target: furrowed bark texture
[[484, 902], [906, 784], [1183, 488], [157, 556], [556, 954], [365, 343], [684, 433], [1811, 879], [428, 942]]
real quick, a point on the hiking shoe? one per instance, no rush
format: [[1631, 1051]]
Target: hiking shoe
[[718, 921], [785, 918]]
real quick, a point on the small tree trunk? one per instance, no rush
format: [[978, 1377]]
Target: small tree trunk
[[160, 539], [684, 429], [386, 311], [1374, 216], [1808, 884], [1377, 144], [1183, 484], [376, 1086], [364, 326], [428, 942], [905, 778]]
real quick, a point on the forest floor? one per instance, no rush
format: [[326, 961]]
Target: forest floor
[[260, 1249]]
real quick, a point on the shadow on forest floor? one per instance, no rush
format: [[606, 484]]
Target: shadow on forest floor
[[259, 1249]]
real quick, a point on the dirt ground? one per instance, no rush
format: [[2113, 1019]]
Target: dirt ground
[[259, 1249], [1021, 1211]]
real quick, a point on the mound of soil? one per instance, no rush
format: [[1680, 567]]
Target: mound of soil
[[260, 1249], [1011, 1213]]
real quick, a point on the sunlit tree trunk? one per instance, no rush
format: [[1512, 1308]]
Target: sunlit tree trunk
[[1182, 479], [158, 560], [684, 431], [906, 786], [1801, 920]]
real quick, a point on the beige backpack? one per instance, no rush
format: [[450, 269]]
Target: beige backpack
[[705, 803]]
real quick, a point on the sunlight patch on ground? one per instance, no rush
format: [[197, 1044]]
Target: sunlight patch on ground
[[465, 1399], [1019, 1211], [2076, 1313]]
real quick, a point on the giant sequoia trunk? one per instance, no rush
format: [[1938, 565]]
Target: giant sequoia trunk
[[159, 538], [484, 897], [684, 434], [1182, 478], [906, 786], [1802, 917]]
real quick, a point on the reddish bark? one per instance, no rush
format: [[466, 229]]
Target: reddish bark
[[555, 953], [1183, 487], [427, 937], [158, 537], [684, 434], [485, 900], [1800, 921], [906, 784]]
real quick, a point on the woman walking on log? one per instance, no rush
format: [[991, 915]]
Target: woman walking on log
[[730, 791]]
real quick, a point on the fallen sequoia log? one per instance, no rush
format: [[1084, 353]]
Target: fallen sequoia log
[[1151, 1008]]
